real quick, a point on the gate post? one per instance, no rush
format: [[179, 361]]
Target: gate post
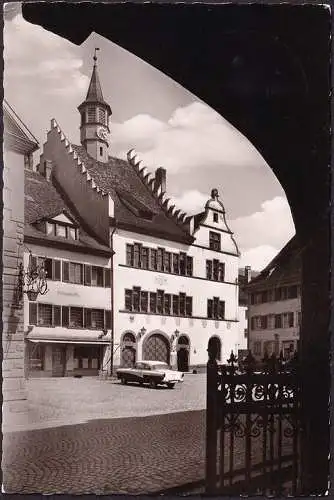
[[211, 419]]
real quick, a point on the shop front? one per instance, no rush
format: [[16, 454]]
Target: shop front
[[52, 353]]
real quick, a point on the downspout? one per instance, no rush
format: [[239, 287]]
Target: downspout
[[112, 303]]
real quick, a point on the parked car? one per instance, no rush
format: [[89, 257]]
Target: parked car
[[153, 373]]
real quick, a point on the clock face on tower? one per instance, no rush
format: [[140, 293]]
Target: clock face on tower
[[102, 134]]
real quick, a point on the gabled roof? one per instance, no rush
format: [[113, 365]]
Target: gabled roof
[[17, 136], [285, 268], [43, 201], [136, 208]]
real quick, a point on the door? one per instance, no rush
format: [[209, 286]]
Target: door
[[156, 348], [183, 360], [58, 360], [128, 357]]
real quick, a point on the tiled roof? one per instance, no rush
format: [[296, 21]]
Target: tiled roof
[[285, 268], [135, 205], [42, 200]]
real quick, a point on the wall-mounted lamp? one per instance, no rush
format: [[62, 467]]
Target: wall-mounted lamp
[[32, 281], [174, 336], [141, 333]]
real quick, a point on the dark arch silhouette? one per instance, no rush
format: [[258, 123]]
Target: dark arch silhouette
[[266, 70]]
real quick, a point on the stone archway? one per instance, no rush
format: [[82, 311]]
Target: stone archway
[[128, 350], [183, 351], [156, 348], [216, 342]]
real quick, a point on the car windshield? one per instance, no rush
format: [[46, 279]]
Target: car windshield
[[160, 366]]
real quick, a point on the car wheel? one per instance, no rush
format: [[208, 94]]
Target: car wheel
[[170, 386], [153, 384], [124, 381], [141, 382]]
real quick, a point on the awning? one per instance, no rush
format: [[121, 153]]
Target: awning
[[59, 335]]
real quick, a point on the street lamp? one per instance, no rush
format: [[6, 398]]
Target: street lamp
[[32, 281]]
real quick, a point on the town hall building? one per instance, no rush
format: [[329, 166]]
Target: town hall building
[[172, 279]]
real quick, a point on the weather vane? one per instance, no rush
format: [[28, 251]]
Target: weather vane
[[95, 57]]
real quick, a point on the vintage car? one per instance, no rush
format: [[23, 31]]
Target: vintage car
[[153, 373]]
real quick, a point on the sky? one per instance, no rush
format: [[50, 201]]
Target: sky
[[46, 76]]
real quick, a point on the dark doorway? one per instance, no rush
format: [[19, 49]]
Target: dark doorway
[[183, 360], [58, 361]]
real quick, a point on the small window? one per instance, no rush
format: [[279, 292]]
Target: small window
[[160, 301], [210, 308], [61, 231], [257, 348], [50, 228], [153, 259], [167, 305], [88, 275], [182, 264], [144, 257], [278, 321], [189, 266], [176, 305], [56, 315], [136, 299], [189, 306], [215, 217], [97, 319], [97, 276], [72, 234], [214, 241], [153, 302], [65, 316], [176, 263], [209, 269], [128, 300], [101, 151], [107, 278]]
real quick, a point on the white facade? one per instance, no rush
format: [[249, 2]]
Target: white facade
[[197, 327], [274, 325], [58, 349]]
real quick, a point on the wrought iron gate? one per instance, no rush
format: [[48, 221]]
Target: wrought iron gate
[[253, 427]]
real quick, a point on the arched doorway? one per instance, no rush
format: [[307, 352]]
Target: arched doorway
[[217, 346], [156, 348], [128, 350], [183, 354]]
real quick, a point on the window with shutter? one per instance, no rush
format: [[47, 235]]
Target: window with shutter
[[144, 301], [153, 302], [128, 300], [209, 269], [189, 306], [56, 270], [88, 318], [210, 308], [176, 305], [88, 275], [167, 305], [176, 267], [129, 255], [189, 266], [153, 259], [32, 313], [66, 271], [144, 257], [107, 323], [65, 316], [221, 309], [107, 278], [56, 315], [182, 304]]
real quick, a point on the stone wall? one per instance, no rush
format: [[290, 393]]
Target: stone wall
[[13, 388]]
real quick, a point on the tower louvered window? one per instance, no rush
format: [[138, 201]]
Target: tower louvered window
[[91, 114], [102, 116]]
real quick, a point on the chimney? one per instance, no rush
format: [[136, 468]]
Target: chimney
[[160, 179], [248, 273]]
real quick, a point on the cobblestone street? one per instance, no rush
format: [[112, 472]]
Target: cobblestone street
[[130, 455], [107, 438]]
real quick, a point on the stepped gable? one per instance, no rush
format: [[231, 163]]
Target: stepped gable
[[138, 206], [43, 201]]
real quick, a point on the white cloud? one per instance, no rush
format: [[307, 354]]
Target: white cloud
[[272, 225], [191, 202], [259, 257], [195, 137], [42, 75]]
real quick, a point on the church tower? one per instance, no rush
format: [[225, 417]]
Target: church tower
[[95, 114]]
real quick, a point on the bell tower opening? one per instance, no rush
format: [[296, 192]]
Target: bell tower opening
[[95, 113]]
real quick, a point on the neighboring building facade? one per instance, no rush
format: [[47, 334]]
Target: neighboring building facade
[[174, 280], [68, 328], [19, 146], [274, 301], [245, 276]]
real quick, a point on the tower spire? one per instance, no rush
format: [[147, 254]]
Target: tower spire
[[95, 113]]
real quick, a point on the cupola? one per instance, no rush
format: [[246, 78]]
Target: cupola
[[95, 113]]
